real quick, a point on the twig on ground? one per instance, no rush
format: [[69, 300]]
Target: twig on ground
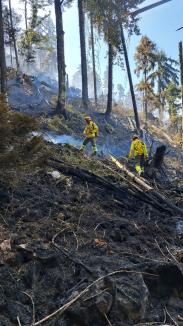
[[162, 251], [4, 219], [76, 240], [175, 260], [18, 320], [175, 323], [107, 319], [96, 295], [140, 256], [33, 306], [63, 308], [76, 261]]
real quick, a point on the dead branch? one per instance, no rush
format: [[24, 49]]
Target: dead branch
[[33, 306], [179, 265], [174, 322], [167, 258], [4, 220], [89, 176], [120, 192], [18, 320], [146, 187], [107, 319], [68, 255], [63, 308], [132, 184]]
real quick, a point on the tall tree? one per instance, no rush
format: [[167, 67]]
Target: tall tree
[[110, 79], [165, 72], [77, 81], [108, 15], [181, 82], [60, 58], [132, 92], [2, 53], [13, 31], [121, 93], [32, 38], [93, 61], [83, 53], [172, 94], [145, 57]]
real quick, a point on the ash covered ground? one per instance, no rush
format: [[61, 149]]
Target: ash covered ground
[[77, 235]]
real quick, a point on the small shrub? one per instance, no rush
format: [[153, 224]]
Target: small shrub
[[19, 152]]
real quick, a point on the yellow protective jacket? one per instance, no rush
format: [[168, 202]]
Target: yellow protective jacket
[[91, 130], [138, 148]]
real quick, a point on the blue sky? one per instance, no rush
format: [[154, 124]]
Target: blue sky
[[159, 24]]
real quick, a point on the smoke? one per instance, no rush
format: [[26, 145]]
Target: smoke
[[63, 139], [106, 148]]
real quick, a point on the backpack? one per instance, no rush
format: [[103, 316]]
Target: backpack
[[139, 147]]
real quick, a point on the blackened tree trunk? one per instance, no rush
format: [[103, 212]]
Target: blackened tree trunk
[[83, 54], [145, 96], [26, 20], [2, 53], [181, 81], [60, 59], [93, 62], [110, 80], [137, 121], [14, 37]]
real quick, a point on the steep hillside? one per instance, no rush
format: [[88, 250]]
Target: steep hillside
[[82, 244]]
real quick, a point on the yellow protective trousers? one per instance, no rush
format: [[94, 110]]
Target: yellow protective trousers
[[139, 163], [92, 141]]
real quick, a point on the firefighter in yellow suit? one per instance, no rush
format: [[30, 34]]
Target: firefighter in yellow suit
[[91, 132], [138, 151]]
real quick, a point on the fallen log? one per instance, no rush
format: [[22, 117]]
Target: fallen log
[[120, 192], [146, 197], [85, 175], [146, 187]]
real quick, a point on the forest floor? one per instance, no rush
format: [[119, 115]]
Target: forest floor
[[76, 234], [76, 231]]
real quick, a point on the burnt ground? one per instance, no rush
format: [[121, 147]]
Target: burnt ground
[[60, 234]]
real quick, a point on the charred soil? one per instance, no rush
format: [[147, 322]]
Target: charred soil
[[84, 240]]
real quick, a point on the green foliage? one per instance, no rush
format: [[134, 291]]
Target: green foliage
[[34, 37], [10, 32], [145, 57], [107, 18], [172, 95], [29, 42], [19, 152], [157, 71]]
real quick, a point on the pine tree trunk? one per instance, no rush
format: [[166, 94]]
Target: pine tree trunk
[[110, 80], [11, 56], [13, 37], [181, 82], [2, 53], [161, 105], [83, 54], [137, 121], [145, 96], [93, 61], [26, 23], [60, 59]]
